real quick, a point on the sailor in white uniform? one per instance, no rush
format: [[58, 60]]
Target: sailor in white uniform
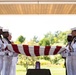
[[66, 53], [2, 47], [8, 55], [71, 58], [14, 59], [14, 62]]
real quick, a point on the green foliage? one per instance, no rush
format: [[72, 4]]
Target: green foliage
[[44, 42], [50, 37], [44, 62], [55, 59], [34, 41], [21, 39], [17, 42], [46, 58], [21, 59]]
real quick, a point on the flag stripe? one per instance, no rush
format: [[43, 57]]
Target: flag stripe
[[62, 49], [52, 49], [31, 50], [15, 48], [26, 50], [47, 50], [41, 50], [21, 50], [36, 50], [57, 49]]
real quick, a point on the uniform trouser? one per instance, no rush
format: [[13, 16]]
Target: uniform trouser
[[71, 65], [1, 64], [7, 65], [13, 66], [65, 66]]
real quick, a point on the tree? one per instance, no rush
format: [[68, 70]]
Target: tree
[[34, 41], [20, 39], [44, 42], [50, 37]]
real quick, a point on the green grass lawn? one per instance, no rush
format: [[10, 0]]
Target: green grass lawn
[[55, 70]]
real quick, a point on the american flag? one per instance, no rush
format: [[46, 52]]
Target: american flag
[[35, 50]]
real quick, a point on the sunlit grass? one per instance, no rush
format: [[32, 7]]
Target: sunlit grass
[[55, 70]]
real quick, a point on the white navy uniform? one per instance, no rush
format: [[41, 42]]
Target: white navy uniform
[[2, 46], [71, 60], [7, 60], [10, 62], [14, 62]]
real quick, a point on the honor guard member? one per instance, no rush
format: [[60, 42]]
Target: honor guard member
[[71, 59], [69, 40], [66, 51], [2, 47], [8, 54], [14, 58]]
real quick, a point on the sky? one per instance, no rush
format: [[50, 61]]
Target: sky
[[36, 25]]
